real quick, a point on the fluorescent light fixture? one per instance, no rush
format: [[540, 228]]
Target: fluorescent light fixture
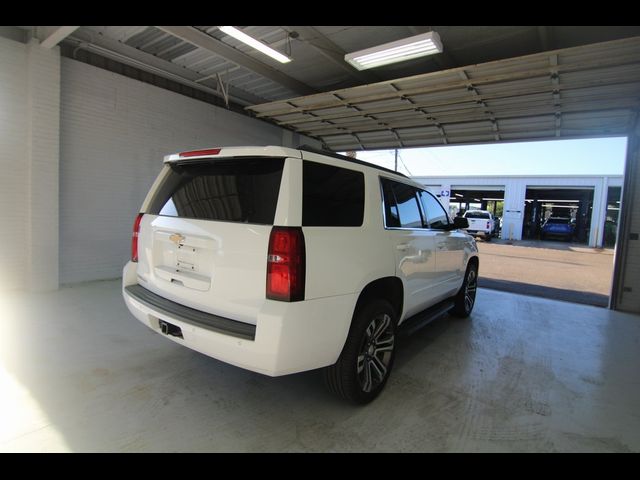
[[398, 51], [257, 44]]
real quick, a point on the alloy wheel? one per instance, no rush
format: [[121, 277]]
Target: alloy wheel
[[375, 352], [470, 290]]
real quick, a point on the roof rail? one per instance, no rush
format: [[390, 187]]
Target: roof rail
[[329, 153]]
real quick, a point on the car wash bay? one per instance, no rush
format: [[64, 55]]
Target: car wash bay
[[79, 373]]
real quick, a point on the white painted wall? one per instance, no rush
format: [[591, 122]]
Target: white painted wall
[[29, 153], [114, 134], [628, 258], [13, 166]]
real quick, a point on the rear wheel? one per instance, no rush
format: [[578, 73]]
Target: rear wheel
[[466, 296], [366, 360]]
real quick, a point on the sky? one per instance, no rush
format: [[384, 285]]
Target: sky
[[600, 156]]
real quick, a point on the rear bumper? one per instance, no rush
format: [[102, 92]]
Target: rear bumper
[[478, 233], [557, 234], [287, 338]]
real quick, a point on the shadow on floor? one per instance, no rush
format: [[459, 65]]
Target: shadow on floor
[[587, 298]]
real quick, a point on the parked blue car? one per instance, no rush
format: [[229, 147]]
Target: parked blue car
[[558, 227]]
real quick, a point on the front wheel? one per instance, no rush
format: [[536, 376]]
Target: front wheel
[[466, 296], [366, 360]]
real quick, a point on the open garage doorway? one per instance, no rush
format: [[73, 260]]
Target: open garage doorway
[[524, 184], [552, 214]]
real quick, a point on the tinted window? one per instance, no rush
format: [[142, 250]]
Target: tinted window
[[392, 217], [331, 196], [475, 214], [436, 215], [406, 207], [237, 190]]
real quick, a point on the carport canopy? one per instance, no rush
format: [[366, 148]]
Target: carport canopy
[[580, 92]]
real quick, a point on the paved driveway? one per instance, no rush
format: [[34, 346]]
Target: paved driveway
[[558, 270]]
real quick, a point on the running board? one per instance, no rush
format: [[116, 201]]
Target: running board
[[419, 320]]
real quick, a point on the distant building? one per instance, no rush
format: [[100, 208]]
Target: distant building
[[524, 202]]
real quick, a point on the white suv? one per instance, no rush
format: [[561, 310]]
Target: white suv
[[280, 260]]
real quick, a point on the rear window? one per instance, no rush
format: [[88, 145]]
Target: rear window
[[331, 196], [477, 215], [231, 190]]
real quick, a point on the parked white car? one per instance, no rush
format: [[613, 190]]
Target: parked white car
[[280, 260], [481, 223]]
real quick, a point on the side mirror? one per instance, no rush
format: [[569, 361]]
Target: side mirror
[[460, 222]]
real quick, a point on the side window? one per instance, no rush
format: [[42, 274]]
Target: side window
[[404, 211], [392, 217], [331, 196], [436, 215]]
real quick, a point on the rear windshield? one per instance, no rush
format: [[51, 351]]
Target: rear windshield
[[477, 215], [562, 221], [231, 190]]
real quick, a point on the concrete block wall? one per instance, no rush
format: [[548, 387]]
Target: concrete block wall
[[29, 134], [114, 134], [13, 167], [43, 150]]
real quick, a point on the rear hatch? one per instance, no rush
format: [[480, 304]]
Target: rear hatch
[[478, 221], [205, 232]]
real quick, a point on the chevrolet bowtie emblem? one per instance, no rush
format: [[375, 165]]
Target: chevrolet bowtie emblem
[[176, 238]]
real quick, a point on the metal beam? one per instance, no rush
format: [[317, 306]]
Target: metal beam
[[547, 41], [145, 61], [51, 36], [444, 60], [332, 52], [202, 40]]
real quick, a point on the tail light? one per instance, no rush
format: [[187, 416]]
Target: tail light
[[286, 264], [488, 224], [134, 238], [200, 153]]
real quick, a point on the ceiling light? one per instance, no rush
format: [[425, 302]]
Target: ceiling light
[[252, 42], [398, 51]]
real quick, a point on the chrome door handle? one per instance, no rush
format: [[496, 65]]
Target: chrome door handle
[[402, 247]]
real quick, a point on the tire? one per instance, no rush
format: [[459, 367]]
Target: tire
[[367, 358], [465, 299], [487, 238]]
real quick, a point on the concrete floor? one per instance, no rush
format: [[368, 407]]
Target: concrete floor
[[550, 269], [524, 374]]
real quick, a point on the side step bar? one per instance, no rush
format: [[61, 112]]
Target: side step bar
[[419, 320]]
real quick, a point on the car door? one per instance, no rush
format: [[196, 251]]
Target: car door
[[449, 244], [412, 244]]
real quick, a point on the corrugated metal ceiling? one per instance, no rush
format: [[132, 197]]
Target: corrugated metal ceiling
[[517, 93], [578, 92]]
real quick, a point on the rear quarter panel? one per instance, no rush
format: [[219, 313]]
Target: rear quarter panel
[[343, 260]]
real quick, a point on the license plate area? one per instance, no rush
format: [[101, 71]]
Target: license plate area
[[184, 260]]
